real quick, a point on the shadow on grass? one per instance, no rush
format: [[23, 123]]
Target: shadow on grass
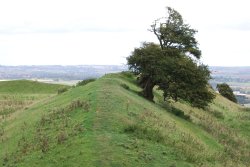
[[129, 76], [173, 110], [177, 112], [125, 86], [145, 132], [246, 109]]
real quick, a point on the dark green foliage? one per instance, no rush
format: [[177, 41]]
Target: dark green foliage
[[62, 90], [125, 86], [225, 90], [127, 74], [179, 113], [148, 62], [216, 113], [86, 81], [247, 109], [174, 64], [145, 132], [188, 81], [62, 137], [175, 36]]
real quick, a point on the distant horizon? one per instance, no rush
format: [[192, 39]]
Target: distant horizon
[[83, 32], [106, 65], [66, 65]]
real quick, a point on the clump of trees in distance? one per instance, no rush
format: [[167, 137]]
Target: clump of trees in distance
[[173, 64], [85, 82], [225, 90]]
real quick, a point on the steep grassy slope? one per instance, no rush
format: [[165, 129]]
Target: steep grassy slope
[[106, 123]]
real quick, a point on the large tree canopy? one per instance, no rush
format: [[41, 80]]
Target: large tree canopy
[[173, 65]]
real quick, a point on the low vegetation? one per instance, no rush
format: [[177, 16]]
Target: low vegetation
[[85, 82], [21, 94], [62, 90], [107, 123], [10, 103]]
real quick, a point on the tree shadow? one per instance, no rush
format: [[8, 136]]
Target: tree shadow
[[175, 111]]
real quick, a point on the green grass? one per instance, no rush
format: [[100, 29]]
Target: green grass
[[106, 123], [19, 95], [27, 86]]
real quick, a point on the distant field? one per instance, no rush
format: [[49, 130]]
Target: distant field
[[237, 77], [247, 105], [57, 72], [63, 82], [238, 88]]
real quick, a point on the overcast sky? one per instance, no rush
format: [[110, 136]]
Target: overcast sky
[[73, 32]]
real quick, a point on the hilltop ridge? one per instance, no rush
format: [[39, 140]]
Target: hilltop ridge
[[107, 123]]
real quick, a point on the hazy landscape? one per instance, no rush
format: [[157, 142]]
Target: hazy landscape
[[156, 83], [237, 77], [57, 73]]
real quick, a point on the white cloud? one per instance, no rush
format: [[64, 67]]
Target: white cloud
[[104, 32], [78, 14], [223, 29], [73, 31], [69, 48]]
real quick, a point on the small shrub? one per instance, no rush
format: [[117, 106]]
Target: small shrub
[[6, 158], [144, 132], [79, 104], [85, 82], [78, 128], [130, 128], [44, 144], [241, 116], [125, 86], [62, 90], [127, 74], [62, 137], [246, 109], [45, 119], [1, 131], [217, 114], [179, 113]]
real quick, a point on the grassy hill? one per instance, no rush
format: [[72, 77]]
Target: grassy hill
[[28, 86], [106, 123], [18, 95]]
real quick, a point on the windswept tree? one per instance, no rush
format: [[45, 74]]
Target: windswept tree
[[225, 90], [173, 65]]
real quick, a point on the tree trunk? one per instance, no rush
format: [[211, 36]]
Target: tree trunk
[[148, 90]]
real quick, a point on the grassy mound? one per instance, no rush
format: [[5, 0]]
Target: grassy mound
[[28, 86], [107, 123]]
